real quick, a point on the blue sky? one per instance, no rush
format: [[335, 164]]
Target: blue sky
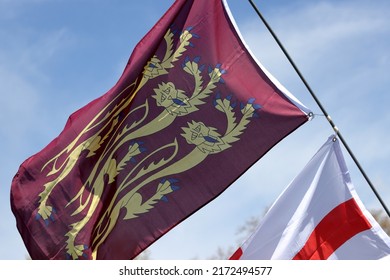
[[57, 55]]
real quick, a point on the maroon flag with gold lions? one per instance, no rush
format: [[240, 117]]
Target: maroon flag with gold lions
[[192, 111]]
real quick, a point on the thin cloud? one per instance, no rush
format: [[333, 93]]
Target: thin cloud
[[317, 30]]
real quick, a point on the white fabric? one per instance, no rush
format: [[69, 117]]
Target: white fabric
[[322, 185]]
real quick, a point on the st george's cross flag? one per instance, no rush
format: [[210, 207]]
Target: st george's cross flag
[[192, 111], [318, 216]]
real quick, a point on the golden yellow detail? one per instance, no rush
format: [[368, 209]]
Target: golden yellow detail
[[116, 127]]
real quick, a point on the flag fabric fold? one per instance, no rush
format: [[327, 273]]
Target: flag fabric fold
[[192, 111], [318, 216]]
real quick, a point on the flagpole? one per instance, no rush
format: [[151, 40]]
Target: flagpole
[[335, 128]]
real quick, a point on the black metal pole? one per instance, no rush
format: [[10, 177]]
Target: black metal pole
[[321, 107]]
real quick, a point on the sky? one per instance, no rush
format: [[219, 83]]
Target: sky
[[57, 55]]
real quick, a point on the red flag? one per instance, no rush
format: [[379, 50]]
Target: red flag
[[318, 216], [192, 111]]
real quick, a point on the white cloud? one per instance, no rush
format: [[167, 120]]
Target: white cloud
[[318, 33], [25, 80]]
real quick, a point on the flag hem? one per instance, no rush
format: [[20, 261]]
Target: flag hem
[[284, 90]]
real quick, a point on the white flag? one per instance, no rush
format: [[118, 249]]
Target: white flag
[[318, 216]]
